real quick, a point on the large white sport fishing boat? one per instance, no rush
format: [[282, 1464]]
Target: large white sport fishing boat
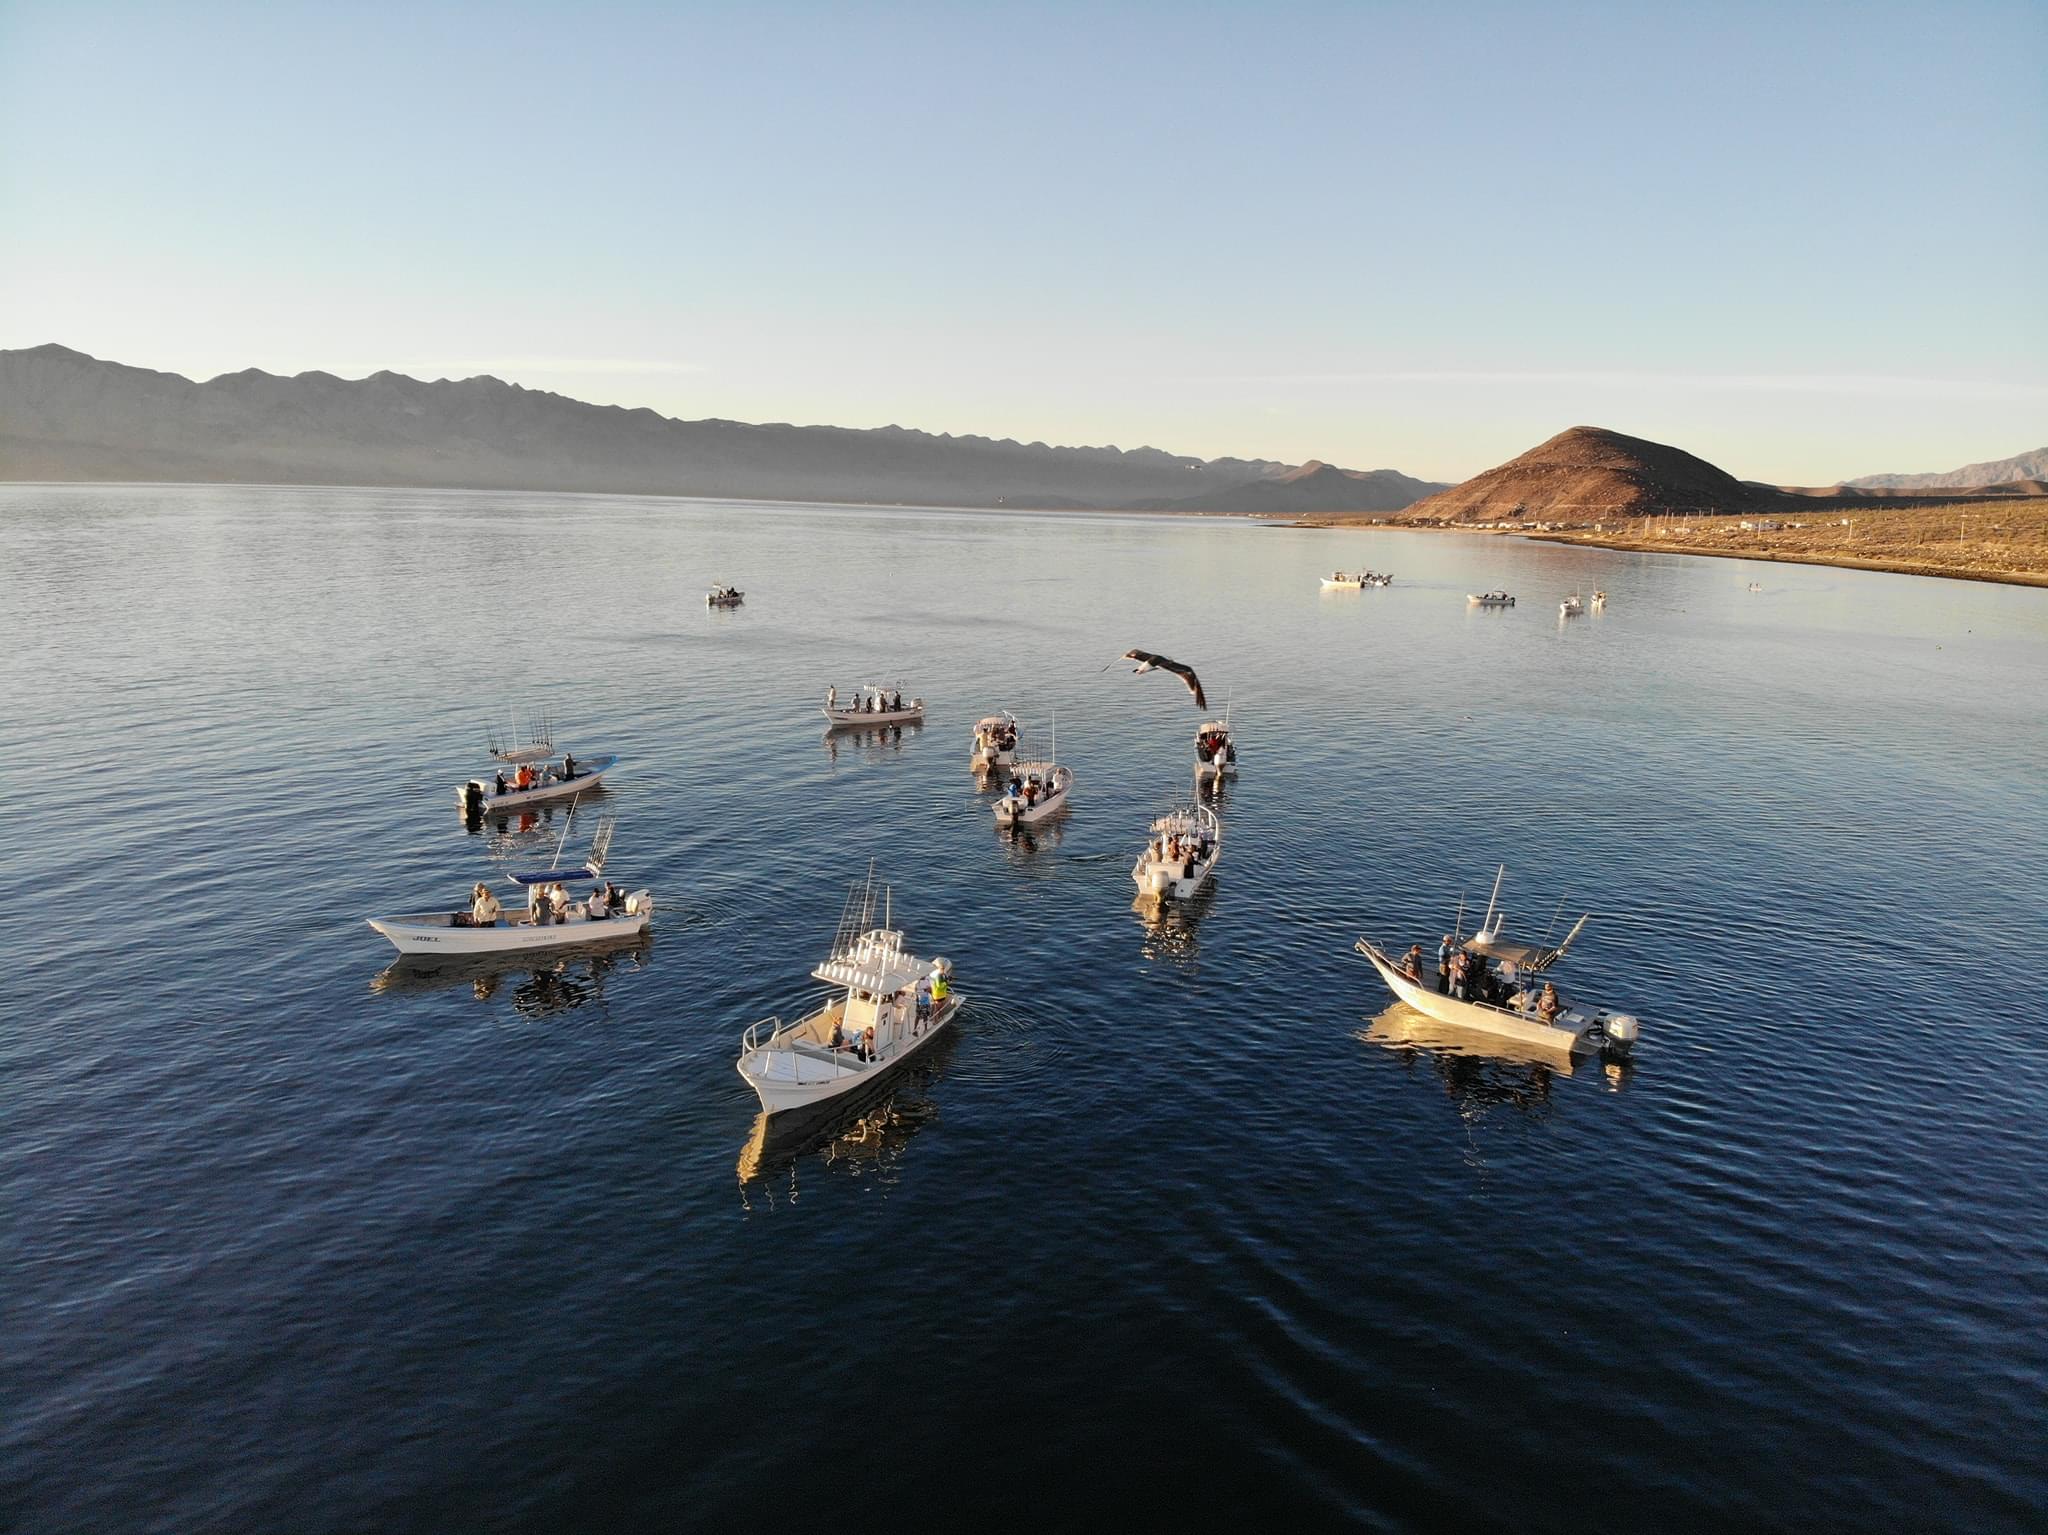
[[1185, 848], [891, 1005], [527, 771], [1502, 988], [1038, 788], [552, 919], [871, 705], [995, 742]]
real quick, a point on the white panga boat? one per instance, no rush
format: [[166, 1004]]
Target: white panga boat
[[1571, 607], [1355, 580], [487, 928], [892, 1005], [1215, 751], [1185, 848], [1490, 600], [724, 597], [1505, 992], [1037, 789], [995, 742], [871, 705]]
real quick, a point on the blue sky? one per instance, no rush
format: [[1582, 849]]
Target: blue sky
[[1805, 241]]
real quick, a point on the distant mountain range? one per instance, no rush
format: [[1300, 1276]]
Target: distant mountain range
[[2001, 471], [67, 416], [1589, 471]]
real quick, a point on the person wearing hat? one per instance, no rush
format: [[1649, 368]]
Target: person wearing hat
[[1550, 1004], [1443, 964], [483, 906], [1411, 962]]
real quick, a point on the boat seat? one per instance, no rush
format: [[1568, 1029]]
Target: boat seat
[[826, 1053]]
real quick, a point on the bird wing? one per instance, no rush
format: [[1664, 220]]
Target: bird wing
[[1168, 664]]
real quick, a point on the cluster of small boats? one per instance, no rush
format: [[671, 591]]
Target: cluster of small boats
[[888, 1004], [1355, 580]]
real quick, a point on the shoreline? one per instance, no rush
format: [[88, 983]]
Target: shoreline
[[1843, 561]]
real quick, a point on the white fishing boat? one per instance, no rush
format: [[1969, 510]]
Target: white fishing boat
[[1346, 580], [1571, 607], [599, 912], [1756, 586], [995, 742], [1037, 788], [891, 1004], [724, 597], [871, 705], [1490, 600], [1599, 601], [532, 780], [1215, 751], [1185, 848], [1503, 989]]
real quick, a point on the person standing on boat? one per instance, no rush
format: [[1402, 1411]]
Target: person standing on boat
[[568, 765], [501, 781], [1411, 962], [1457, 975], [1443, 964], [483, 907]]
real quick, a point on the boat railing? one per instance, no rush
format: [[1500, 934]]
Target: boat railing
[[752, 1040]]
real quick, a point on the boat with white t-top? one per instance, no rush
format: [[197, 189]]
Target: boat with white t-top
[[995, 742], [1186, 846], [891, 1004], [598, 912], [871, 705], [528, 771], [1497, 987], [1038, 788], [1215, 751]]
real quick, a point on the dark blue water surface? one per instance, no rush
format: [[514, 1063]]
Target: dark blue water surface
[[1175, 1229]]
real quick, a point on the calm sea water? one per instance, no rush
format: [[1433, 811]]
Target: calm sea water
[[297, 1240]]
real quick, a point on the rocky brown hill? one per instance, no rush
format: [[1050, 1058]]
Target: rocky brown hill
[[1589, 471], [67, 416]]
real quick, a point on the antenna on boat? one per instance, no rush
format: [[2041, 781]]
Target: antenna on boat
[[888, 906], [1487, 925], [1551, 926], [563, 840], [1459, 928]]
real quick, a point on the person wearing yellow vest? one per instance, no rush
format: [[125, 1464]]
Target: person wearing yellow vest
[[939, 989]]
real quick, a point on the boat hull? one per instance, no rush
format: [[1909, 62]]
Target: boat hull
[[1500, 1022], [845, 718], [1157, 882], [786, 1079], [435, 932]]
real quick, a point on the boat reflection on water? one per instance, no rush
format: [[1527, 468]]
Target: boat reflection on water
[[864, 1139], [1023, 842], [515, 828], [869, 743], [1482, 1071], [1171, 926], [561, 983]]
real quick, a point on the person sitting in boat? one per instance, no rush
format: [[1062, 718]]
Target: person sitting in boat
[[483, 907], [1549, 1004], [838, 1033], [867, 1043]]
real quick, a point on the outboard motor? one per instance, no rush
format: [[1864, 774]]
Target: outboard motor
[[1621, 1030], [473, 799]]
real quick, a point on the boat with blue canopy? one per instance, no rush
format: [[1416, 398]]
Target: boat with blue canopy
[[551, 918]]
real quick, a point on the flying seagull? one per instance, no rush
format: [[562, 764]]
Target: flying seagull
[[1149, 662]]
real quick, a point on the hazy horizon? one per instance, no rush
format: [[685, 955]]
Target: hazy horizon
[[1392, 237]]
